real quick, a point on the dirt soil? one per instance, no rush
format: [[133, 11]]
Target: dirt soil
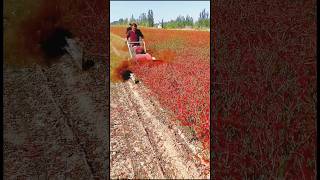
[[56, 122], [146, 143]]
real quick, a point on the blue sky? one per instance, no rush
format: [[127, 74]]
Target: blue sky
[[166, 10]]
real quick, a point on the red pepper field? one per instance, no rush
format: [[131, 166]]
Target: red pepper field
[[180, 79], [264, 122]]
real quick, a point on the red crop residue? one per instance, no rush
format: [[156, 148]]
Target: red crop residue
[[117, 73], [264, 89], [166, 54], [125, 65]]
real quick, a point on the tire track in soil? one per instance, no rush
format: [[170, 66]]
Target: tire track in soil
[[141, 133], [63, 124], [126, 144], [72, 90]]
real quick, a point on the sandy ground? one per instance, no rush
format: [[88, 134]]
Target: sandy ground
[[56, 122]]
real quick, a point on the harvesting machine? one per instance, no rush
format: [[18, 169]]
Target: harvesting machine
[[138, 51]]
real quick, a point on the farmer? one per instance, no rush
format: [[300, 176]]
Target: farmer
[[134, 34]]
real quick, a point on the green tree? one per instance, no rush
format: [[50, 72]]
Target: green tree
[[204, 20], [143, 20], [180, 21], [189, 21], [150, 18], [132, 18]]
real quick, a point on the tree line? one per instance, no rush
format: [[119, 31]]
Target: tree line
[[147, 19], [143, 20]]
